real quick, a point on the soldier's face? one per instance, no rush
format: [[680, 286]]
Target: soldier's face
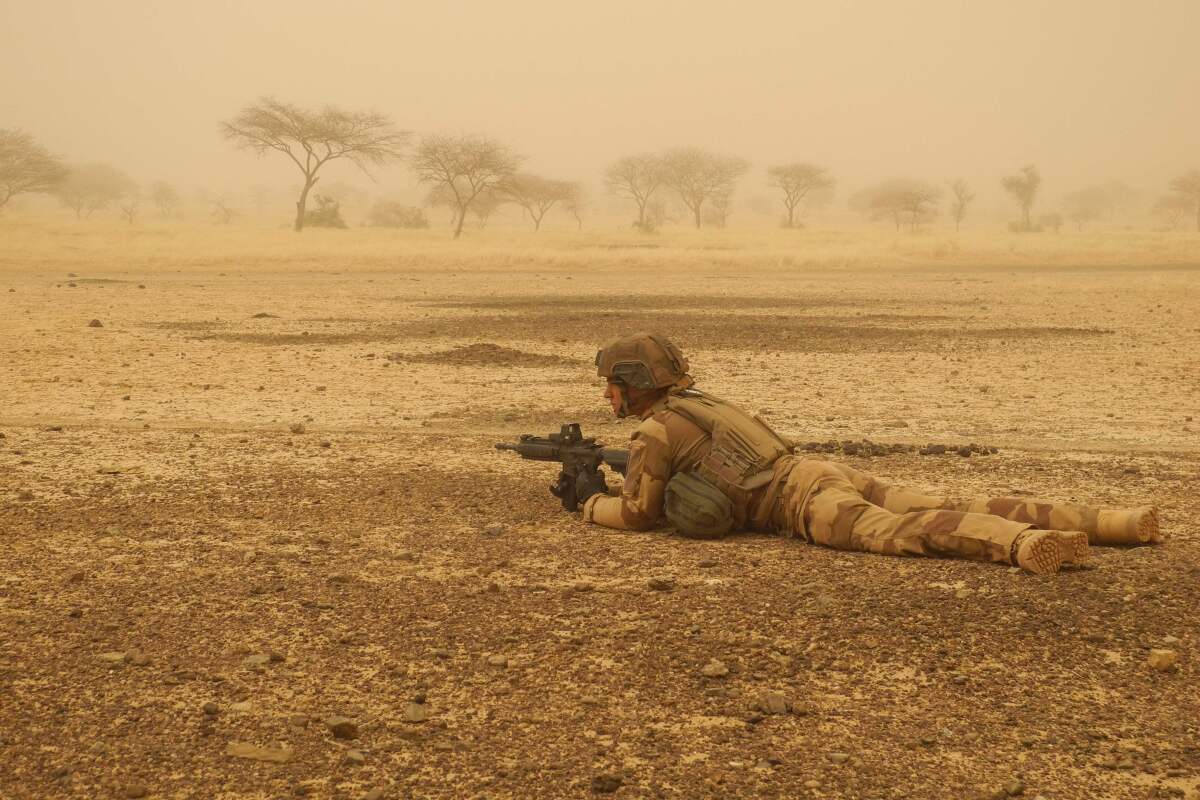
[[612, 393]]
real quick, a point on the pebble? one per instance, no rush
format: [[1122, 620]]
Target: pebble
[[497, 661], [136, 791], [661, 584], [355, 757], [812, 784], [714, 669], [1162, 660], [1170, 640], [606, 784], [256, 660], [113, 657], [1014, 788], [773, 703], [494, 529], [342, 728], [137, 658], [210, 708], [838, 758], [416, 713], [95, 324], [280, 755], [583, 586], [374, 794], [707, 563]]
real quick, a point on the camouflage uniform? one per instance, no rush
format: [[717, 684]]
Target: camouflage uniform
[[835, 505]]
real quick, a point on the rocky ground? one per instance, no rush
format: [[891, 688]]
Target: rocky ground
[[256, 542]]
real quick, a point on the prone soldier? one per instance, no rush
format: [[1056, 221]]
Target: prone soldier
[[710, 468]]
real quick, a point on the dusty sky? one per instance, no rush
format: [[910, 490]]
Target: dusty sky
[[1087, 89]]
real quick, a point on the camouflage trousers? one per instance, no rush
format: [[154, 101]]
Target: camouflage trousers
[[838, 506]]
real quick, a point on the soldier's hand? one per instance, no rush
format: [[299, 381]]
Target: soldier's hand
[[588, 484], [564, 489]]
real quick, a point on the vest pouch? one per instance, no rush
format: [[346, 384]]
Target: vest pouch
[[697, 508]]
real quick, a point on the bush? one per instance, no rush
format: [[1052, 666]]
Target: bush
[[327, 214], [396, 215]]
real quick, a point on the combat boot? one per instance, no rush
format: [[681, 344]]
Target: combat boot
[[1127, 526], [1073, 546]]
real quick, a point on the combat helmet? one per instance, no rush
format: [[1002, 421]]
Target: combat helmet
[[644, 361]]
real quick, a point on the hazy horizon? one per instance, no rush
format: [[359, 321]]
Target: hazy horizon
[[1087, 91]]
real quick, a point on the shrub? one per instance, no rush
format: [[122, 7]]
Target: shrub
[[387, 214]]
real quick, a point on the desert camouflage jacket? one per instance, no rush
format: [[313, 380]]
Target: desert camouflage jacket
[[664, 443]]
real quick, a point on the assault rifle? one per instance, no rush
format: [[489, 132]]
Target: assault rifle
[[580, 457]]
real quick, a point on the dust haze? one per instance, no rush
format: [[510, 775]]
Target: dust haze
[[275, 279]]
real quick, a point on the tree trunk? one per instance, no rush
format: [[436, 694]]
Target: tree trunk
[[697, 213], [791, 216], [1028, 224], [302, 202], [458, 225], [641, 223]]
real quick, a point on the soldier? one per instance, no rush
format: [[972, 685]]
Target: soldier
[[711, 468]]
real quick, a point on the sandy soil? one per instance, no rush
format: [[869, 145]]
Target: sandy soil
[[261, 493]]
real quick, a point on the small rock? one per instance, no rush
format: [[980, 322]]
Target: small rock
[[606, 784], [76, 577], [494, 529], [1170, 640], [497, 661], [374, 794], [1162, 660], [137, 658], [661, 584], [583, 586], [113, 657], [256, 660], [773, 703], [210, 709], [714, 669], [241, 707], [95, 324], [707, 563], [338, 577], [1014, 788], [136, 790], [342, 728], [279, 755], [838, 758], [297, 427], [416, 713], [326, 443], [355, 757], [25, 495]]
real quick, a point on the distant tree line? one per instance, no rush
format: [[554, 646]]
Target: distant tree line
[[474, 176]]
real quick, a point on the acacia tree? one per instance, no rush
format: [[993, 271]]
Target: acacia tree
[[165, 197], [961, 197], [901, 200], [87, 188], [797, 181], [535, 194], [1085, 205], [1171, 209], [698, 176], [26, 166], [461, 168], [1187, 185], [636, 178], [311, 139], [574, 203], [1024, 188]]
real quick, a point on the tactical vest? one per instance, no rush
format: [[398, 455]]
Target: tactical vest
[[743, 451]]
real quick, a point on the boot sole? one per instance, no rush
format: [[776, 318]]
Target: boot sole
[[1147, 526], [1073, 547], [1042, 555]]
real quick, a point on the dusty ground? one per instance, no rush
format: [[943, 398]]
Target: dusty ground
[[185, 570]]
